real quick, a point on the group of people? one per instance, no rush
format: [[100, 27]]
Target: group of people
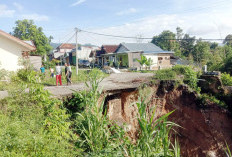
[[68, 74], [58, 68]]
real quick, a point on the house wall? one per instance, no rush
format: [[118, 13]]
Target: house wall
[[160, 61], [36, 61], [154, 59], [10, 52], [65, 50], [164, 61], [83, 53], [132, 57]]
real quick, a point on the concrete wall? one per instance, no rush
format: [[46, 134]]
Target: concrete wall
[[133, 59], [160, 61], [164, 61], [10, 52], [36, 61]]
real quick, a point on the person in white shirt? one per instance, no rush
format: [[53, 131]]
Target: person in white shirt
[[58, 74]]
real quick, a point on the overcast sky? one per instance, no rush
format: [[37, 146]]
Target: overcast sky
[[137, 18]]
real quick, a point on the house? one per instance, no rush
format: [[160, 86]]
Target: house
[[83, 53], [128, 53], [105, 54], [63, 52], [11, 50]]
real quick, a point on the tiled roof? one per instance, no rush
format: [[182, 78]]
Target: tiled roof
[[66, 46], [17, 40], [110, 48]]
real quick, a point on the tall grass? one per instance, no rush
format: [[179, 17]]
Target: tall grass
[[100, 137]]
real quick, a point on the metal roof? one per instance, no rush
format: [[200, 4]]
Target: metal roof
[[142, 47]]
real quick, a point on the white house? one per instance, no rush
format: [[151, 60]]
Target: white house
[[11, 49], [83, 53]]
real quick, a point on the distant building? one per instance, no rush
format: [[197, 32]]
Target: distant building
[[12, 49], [83, 53], [127, 54], [63, 50], [105, 54]]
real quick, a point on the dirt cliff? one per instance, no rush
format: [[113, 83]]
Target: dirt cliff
[[204, 129]]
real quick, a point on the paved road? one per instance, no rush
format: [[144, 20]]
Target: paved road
[[113, 82]]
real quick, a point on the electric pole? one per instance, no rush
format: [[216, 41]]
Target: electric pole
[[76, 30]]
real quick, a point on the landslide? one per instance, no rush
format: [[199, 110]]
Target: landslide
[[204, 128]]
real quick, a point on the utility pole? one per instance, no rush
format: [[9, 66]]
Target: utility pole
[[76, 29]]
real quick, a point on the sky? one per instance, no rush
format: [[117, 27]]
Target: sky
[[134, 18]]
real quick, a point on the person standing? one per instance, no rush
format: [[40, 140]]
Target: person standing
[[52, 72], [67, 73], [58, 74], [42, 69], [70, 73]]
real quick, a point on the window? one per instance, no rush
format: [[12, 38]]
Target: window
[[166, 58], [160, 58]]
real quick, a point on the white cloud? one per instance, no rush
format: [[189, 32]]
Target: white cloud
[[126, 12], [77, 3], [205, 25], [18, 6], [5, 12], [35, 17]]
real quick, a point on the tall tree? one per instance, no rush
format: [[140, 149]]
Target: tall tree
[[201, 52], [27, 30], [166, 40], [228, 40], [187, 44], [179, 33]]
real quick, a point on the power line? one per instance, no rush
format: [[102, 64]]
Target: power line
[[130, 37]]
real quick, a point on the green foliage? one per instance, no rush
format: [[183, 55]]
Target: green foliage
[[226, 79], [165, 74], [206, 99], [50, 64], [153, 135], [190, 75], [166, 40], [179, 72], [228, 40], [227, 151], [143, 60], [33, 123], [27, 30], [201, 53]]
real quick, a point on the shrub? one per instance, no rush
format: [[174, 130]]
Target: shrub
[[165, 74], [226, 79]]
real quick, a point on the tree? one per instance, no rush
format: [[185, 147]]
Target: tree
[[201, 53], [27, 30], [166, 40], [228, 40], [142, 61], [179, 33], [187, 44]]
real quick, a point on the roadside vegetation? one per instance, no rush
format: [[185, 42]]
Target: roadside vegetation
[[34, 124], [181, 73]]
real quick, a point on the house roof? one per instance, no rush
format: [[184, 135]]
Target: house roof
[[110, 48], [17, 40], [143, 47], [66, 46]]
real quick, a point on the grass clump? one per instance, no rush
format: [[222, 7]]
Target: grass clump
[[226, 79], [182, 73]]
